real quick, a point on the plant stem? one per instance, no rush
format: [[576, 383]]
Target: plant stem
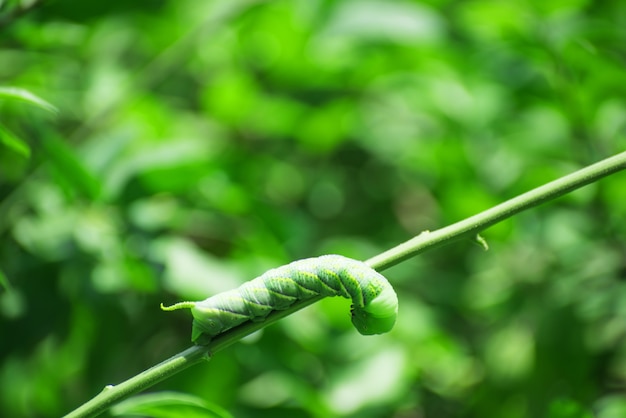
[[112, 394], [470, 227], [426, 240], [193, 355]]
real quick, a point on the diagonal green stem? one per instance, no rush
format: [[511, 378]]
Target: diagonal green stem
[[471, 226], [110, 395], [464, 229], [113, 394]]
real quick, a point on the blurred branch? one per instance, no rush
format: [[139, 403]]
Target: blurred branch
[[14, 14], [427, 240]]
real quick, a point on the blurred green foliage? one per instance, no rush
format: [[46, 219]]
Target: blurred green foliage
[[197, 144]]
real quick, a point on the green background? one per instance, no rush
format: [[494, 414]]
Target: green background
[[199, 143]]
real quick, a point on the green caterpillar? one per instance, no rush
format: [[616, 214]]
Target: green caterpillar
[[374, 302]]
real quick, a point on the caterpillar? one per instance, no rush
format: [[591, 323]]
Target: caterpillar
[[374, 302]]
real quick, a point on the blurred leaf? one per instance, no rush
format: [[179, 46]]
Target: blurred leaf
[[192, 273], [567, 408], [509, 352], [268, 390], [13, 142], [168, 405], [388, 21], [231, 96], [4, 281], [73, 173], [378, 379], [611, 406], [28, 97]]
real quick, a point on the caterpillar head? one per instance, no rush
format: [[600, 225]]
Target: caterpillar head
[[379, 315], [205, 326]]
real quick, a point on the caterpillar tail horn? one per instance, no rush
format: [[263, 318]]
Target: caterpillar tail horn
[[177, 306]]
